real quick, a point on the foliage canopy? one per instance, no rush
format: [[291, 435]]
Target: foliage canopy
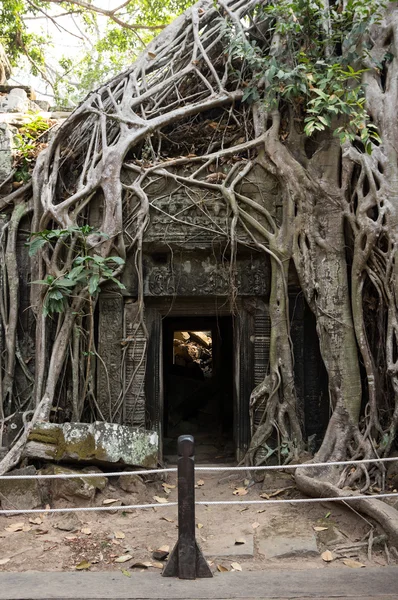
[[110, 39]]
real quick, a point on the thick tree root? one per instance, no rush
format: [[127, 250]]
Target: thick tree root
[[13, 457], [385, 514]]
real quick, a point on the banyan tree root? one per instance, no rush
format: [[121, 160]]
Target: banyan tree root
[[318, 487], [177, 125]]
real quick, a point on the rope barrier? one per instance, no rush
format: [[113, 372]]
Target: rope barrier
[[85, 475], [199, 503], [301, 466], [298, 500], [204, 469], [81, 509]]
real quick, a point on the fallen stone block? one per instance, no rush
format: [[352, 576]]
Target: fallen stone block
[[23, 494], [98, 443], [83, 488], [132, 484], [69, 522]]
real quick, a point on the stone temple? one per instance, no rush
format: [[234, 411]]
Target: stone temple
[[170, 380]]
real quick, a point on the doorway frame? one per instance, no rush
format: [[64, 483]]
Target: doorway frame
[[156, 309]]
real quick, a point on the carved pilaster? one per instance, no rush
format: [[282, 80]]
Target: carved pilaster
[[135, 342], [110, 334]]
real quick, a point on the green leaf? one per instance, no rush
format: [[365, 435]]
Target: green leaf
[[75, 272], [55, 294], [320, 93], [116, 259], [35, 244], [93, 284], [64, 282], [44, 281], [119, 283], [324, 120]]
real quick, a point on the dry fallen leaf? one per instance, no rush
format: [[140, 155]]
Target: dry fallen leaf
[[167, 519], [4, 561], [240, 491], [123, 558], [160, 499], [200, 482], [320, 528], [261, 511], [126, 573], [264, 495], [15, 527], [277, 492], [222, 569], [200, 525], [119, 535], [354, 564], [236, 566], [142, 565], [83, 565], [255, 525], [86, 531], [239, 541], [26, 528], [110, 501], [168, 486], [70, 537], [157, 565], [161, 553], [36, 521], [241, 510], [327, 556], [152, 55]]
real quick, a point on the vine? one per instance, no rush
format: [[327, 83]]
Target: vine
[[306, 96]]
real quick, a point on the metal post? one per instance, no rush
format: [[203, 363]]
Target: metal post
[[186, 560]]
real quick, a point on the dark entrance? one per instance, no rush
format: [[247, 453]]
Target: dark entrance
[[198, 385]]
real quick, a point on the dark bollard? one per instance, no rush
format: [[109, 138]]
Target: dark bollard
[[186, 560]]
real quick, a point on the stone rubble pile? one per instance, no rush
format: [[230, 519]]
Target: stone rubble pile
[[193, 348]]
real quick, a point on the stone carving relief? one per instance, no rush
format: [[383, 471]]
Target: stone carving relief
[[204, 275], [191, 214]]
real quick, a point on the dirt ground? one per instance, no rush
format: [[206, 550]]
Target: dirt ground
[[227, 534]]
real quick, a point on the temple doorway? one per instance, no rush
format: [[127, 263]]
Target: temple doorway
[[198, 384]]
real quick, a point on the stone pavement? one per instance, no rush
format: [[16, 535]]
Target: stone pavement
[[310, 584]]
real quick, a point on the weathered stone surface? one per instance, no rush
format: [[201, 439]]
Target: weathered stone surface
[[20, 494], [223, 544], [183, 336], [82, 487], [69, 522], [16, 101], [43, 105], [286, 535], [201, 338], [6, 150], [331, 536], [132, 484], [101, 443], [101, 481]]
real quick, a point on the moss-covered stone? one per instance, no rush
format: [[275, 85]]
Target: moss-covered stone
[[97, 442]]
